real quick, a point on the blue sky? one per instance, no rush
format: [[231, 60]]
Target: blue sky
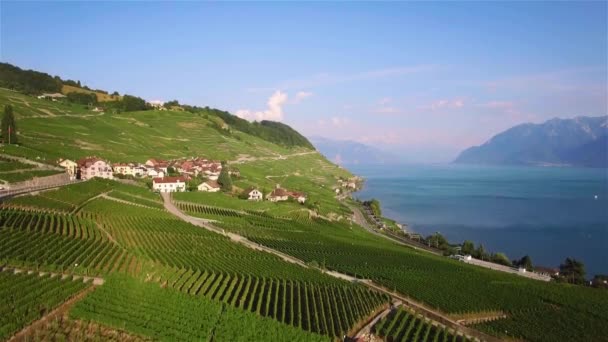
[[423, 79]]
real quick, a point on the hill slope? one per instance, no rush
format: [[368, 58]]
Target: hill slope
[[575, 142]]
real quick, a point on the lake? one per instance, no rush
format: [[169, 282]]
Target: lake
[[547, 213]]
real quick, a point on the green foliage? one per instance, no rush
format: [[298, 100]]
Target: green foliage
[[166, 315], [374, 205], [9, 127], [572, 271], [468, 248], [524, 262], [27, 297], [501, 258], [132, 103], [225, 180], [82, 98], [28, 81], [403, 325]]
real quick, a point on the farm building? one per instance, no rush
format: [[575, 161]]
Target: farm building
[[169, 184], [298, 196], [92, 167], [209, 186]]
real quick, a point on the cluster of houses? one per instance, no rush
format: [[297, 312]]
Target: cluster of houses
[[91, 167], [87, 168]]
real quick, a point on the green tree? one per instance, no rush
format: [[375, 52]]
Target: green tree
[[225, 180], [501, 258], [480, 253], [572, 271], [525, 262], [9, 129], [468, 248]]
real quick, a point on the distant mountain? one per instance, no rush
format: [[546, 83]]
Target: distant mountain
[[582, 141], [345, 152]]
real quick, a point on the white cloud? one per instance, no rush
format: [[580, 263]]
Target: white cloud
[[301, 95], [445, 104], [335, 121], [384, 106], [274, 112]]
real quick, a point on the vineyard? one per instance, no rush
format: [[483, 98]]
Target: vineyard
[[167, 315], [321, 308], [66, 199], [27, 297], [60, 242], [351, 250], [403, 325]]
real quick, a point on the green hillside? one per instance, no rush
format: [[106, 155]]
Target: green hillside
[[170, 279]]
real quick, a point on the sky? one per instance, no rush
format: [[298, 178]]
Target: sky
[[421, 79]]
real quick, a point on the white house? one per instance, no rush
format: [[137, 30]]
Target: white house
[[70, 166], [93, 167], [152, 172], [254, 194], [169, 184], [209, 186]]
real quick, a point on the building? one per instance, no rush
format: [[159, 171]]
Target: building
[[298, 196], [209, 186], [70, 166], [278, 195], [254, 194], [52, 97], [169, 184], [152, 172], [546, 271], [123, 168], [92, 167]]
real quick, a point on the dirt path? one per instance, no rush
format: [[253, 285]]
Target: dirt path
[[31, 162], [415, 305], [247, 159], [62, 309], [104, 195], [367, 329]]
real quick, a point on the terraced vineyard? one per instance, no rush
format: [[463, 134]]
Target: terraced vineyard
[[167, 315], [417, 274], [325, 309], [66, 199], [403, 325], [26, 297]]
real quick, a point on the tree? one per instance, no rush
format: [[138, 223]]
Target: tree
[[225, 180], [438, 241], [9, 129], [524, 262], [501, 258], [481, 253], [468, 248], [572, 271], [133, 103]]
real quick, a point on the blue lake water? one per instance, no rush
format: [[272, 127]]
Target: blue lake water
[[547, 213]]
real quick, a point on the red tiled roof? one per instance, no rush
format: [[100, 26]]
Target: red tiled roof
[[169, 180], [88, 161], [279, 193]]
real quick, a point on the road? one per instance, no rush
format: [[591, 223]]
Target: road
[[417, 306]]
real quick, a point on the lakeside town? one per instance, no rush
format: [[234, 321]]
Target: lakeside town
[[173, 175]]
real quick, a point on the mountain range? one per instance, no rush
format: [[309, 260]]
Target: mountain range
[[348, 152], [582, 141]]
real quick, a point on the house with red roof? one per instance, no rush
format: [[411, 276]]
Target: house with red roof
[[92, 167]]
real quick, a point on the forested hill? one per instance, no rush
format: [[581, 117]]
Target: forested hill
[[573, 142], [32, 82]]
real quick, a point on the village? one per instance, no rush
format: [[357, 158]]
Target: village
[[173, 176]]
